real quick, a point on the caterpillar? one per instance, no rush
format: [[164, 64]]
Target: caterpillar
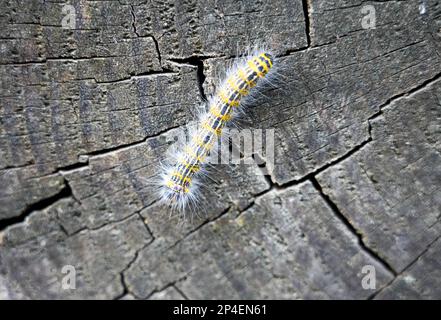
[[178, 185]]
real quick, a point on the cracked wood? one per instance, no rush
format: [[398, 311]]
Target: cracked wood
[[86, 113]]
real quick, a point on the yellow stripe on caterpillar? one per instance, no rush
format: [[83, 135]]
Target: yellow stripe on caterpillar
[[244, 78], [263, 55], [193, 154], [181, 177], [262, 64], [223, 95], [215, 112], [207, 127], [236, 88], [194, 168], [255, 68], [172, 184], [205, 145]]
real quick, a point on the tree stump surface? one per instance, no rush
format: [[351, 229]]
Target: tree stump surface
[[88, 111]]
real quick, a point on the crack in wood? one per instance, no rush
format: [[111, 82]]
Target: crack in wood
[[200, 226], [198, 62], [132, 11], [306, 13], [65, 192], [166, 286], [122, 277], [408, 93], [346, 222], [375, 294]]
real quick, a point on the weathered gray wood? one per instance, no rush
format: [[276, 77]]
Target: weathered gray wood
[[37, 251], [279, 248], [390, 190], [420, 280], [87, 114]]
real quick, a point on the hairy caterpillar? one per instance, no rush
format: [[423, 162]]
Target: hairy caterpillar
[[178, 185]]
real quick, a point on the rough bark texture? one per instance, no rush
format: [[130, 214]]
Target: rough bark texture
[[87, 113]]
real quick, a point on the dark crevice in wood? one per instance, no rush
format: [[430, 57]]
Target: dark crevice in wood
[[350, 227], [144, 74], [289, 52], [309, 176], [180, 292], [122, 277], [323, 168], [197, 61], [415, 89], [157, 49], [123, 280], [306, 10], [149, 231], [376, 293], [112, 149], [65, 192], [74, 166], [132, 11], [125, 289], [165, 287], [205, 222], [262, 165], [252, 203], [128, 145], [391, 100]]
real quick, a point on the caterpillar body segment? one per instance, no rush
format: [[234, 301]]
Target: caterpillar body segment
[[179, 184]]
